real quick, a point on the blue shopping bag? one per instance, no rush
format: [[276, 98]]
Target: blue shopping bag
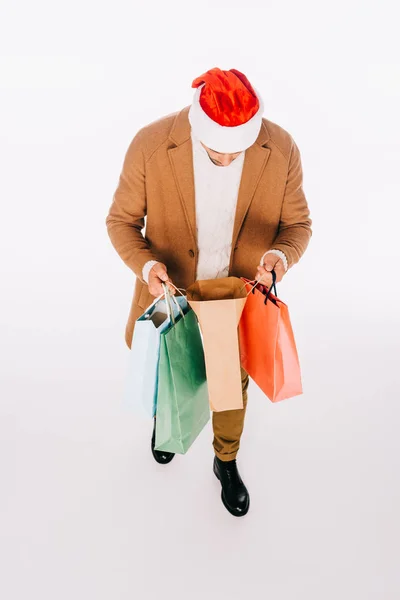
[[140, 391]]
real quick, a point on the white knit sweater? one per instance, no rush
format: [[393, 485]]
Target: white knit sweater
[[216, 193]]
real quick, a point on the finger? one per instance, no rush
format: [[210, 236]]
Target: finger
[[171, 288], [264, 276], [160, 287], [168, 283], [156, 290], [160, 271], [270, 262], [260, 272], [279, 270]]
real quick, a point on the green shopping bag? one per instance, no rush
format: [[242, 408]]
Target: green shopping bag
[[182, 396]]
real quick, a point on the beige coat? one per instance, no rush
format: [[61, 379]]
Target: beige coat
[[157, 180]]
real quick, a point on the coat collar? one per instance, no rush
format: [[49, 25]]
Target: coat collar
[[181, 159]]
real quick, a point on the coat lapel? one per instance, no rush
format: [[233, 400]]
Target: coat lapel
[[256, 157], [181, 159]]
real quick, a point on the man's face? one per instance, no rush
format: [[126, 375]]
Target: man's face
[[218, 158]]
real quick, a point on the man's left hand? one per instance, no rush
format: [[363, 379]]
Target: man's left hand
[[271, 262]]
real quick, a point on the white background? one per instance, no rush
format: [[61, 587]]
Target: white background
[[86, 511]]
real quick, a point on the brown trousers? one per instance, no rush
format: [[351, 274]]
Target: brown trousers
[[228, 426]]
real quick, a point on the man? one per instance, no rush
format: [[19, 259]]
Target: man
[[221, 188]]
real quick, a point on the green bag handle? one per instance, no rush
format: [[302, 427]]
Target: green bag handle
[[168, 298], [167, 295]]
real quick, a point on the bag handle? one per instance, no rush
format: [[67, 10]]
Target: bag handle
[[170, 312], [272, 286], [253, 289], [177, 304], [177, 289], [168, 298]]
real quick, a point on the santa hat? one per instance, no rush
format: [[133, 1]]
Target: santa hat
[[226, 112]]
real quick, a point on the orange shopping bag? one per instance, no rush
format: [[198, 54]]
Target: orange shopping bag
[[267, 347]]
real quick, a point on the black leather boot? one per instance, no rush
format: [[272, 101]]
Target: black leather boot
[[234, 493], [161, 456]]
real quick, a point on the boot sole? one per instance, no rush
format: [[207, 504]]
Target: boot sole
[[161, 462], [228, 508]]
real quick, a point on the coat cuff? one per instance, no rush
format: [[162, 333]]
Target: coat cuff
[[278, 253]]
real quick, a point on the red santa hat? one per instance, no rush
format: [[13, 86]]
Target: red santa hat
[[226, 112]]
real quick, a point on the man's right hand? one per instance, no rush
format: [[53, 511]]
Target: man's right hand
[[157, 275]]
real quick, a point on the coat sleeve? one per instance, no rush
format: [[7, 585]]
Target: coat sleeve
[[294, 231], [125, 219]]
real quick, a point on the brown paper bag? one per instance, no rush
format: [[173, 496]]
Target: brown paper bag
[[218, 304]]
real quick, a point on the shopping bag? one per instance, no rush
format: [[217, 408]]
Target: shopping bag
[[267, 346], [218, 304], [142, 362], [182, 396]]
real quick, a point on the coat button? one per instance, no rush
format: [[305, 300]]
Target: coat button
[[191, 253]]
